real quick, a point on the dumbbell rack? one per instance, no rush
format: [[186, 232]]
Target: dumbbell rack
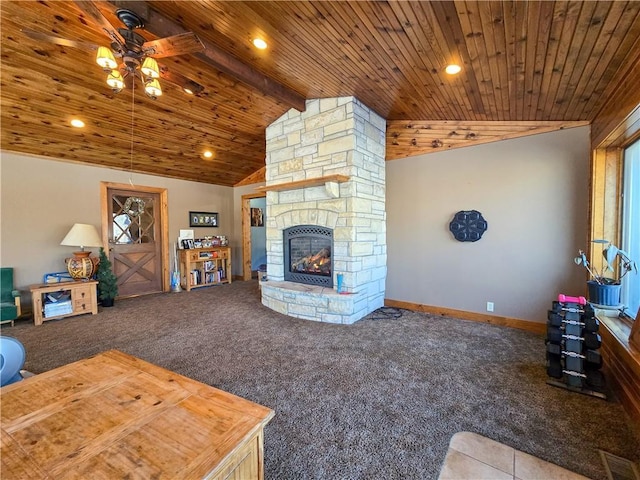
[[573, 359]]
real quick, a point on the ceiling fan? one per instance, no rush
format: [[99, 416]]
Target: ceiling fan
[[136, 53]]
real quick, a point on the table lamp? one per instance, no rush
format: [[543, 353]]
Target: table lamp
[[81, 266]]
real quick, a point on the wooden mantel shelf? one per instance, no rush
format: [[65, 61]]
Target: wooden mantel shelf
[[310, 182]]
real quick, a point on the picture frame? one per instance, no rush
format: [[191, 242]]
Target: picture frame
[[203, 219], [188, 244], [257, 217]]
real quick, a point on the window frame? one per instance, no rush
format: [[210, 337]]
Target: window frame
[[629, 171], [605, 209]]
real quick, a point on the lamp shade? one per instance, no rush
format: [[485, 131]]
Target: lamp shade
[[105, 58], [152, 89], [82, 235], [115, 80], [150, 68]]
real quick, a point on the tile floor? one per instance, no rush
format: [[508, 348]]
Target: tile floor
[[474, 457]]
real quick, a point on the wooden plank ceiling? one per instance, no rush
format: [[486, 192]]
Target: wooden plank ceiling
[[527, 67]]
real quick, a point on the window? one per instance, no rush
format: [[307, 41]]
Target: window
[[631, 225]]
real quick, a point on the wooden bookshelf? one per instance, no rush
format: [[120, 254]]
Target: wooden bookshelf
[[203, 267]]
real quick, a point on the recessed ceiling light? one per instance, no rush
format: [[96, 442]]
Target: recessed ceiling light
[[76, 122], [259, 43], [453, 69], [207, 154], [188, 90]]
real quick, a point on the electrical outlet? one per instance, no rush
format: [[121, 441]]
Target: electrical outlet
[[489, 306]]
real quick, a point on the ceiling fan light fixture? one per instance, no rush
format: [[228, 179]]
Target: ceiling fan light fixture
[[115, 81], [152, 89], [150, 68], [105, 59]]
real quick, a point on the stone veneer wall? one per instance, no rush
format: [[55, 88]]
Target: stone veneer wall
[[332, 136]]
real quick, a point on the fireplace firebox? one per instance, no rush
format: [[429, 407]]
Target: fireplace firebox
[[307, 255]]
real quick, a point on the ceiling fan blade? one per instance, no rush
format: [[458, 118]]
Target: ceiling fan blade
[[93, 12], [174, 45], [181, 81], [59, 40]]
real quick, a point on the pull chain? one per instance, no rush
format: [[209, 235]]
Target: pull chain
[[133, 104]]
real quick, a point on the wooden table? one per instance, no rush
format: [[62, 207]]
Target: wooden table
[[116, 416]]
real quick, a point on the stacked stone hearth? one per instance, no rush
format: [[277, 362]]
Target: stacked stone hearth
[[337, 136]]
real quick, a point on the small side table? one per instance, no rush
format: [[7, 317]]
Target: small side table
[[83, 296]]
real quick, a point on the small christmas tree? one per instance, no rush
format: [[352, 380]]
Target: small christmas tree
[[107, 281]]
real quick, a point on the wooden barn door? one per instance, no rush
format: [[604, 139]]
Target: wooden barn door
[[134, 226]]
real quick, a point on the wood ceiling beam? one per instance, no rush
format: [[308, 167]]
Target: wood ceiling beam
[[161, 26], [407, 138]]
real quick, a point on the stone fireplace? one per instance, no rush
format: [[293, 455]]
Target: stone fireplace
[[325, 172]]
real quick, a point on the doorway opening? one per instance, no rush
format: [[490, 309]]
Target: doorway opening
[[254, 249]]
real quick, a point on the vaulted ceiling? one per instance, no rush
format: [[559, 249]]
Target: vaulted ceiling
[[526, 67]]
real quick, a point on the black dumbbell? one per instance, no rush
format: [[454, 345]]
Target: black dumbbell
[[554, 335], [593, 360], [553, 356], [554, 368], [567, 307], [554, 319], [592, 340], [595, 379], [590, 324], [588, 310], [591, 378], [554, 348]]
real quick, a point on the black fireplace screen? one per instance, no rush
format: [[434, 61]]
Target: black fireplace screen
[[307, 255]]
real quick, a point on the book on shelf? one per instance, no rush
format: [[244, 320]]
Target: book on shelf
[[196, 277]]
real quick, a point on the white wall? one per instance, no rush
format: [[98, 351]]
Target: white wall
[[532, 191], [41, 199]]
